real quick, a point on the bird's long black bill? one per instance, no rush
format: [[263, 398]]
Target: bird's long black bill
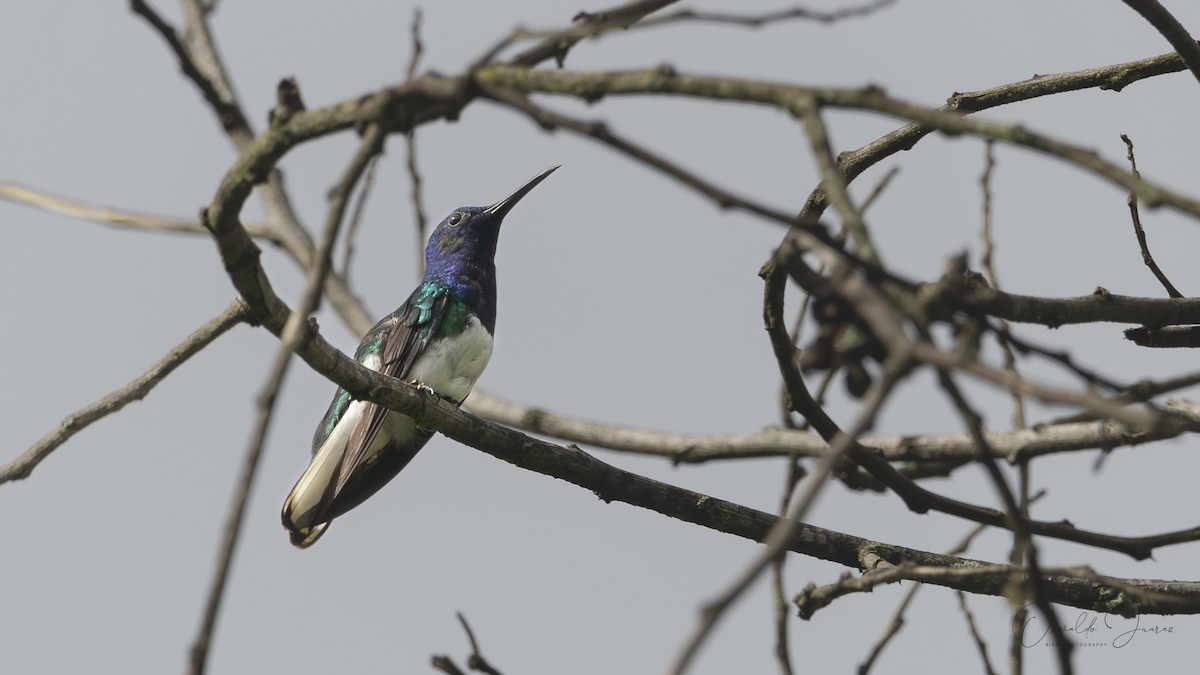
[[503, 206]]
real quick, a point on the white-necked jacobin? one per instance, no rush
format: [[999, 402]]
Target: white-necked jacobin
[[440, 338]]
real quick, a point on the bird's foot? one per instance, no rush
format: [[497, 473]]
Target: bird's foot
[[423, 388]]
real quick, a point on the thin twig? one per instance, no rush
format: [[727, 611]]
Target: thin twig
[[792, 477], [418, 202], [443, 663], [989, 270], [591, 86], [356, 216], [835, 184], [585, 25], [760, 20], [76, 208], [136, 390], [1060, 356], [599, 131], [201, 63], [1132, 201], [476, 661], [214, 89], [894, 625], [896, 622], [418, 47], [878, 188], [1019, 523], [410, 146], [1017, 597], [976, 637]]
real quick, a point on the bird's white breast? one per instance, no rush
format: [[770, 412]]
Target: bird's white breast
[[451, 365]]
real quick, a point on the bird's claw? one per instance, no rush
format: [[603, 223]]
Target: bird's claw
[[423, 388]]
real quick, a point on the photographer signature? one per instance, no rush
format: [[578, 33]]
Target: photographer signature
[[1088, 628]]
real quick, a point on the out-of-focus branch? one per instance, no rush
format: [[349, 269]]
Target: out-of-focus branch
[[835, 184], [75, 208], [1017, 516], [410, 146]]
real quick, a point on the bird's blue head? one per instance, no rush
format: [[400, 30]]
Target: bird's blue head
[[462, 250]]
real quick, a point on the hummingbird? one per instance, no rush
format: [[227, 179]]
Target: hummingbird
[[440, 339]]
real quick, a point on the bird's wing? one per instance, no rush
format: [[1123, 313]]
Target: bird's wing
[[404, 335], [342, 473]]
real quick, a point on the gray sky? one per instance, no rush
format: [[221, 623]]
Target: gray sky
[[623, 298]]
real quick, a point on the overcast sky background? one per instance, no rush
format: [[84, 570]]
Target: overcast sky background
[[623, 298]]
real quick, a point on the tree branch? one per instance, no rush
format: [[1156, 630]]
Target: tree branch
[[570, 464], [1170, 28], [22, 466], [592, 86]]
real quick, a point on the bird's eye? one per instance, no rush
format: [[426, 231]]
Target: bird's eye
[[455, 218]]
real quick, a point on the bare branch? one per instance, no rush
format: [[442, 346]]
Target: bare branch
[[585, 25], [592, 86], [476, 661], [444, 664], [356, 215], [835, 184], [1172, 30], [760, 20], [136, 390], [976, 636], [570, 464], [410, 146], [1131, 200], [75, 208], [896, 623], [886, 325], [1012, 446], [599, 131], [792, 477], [212, 85], [1003, 333]]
